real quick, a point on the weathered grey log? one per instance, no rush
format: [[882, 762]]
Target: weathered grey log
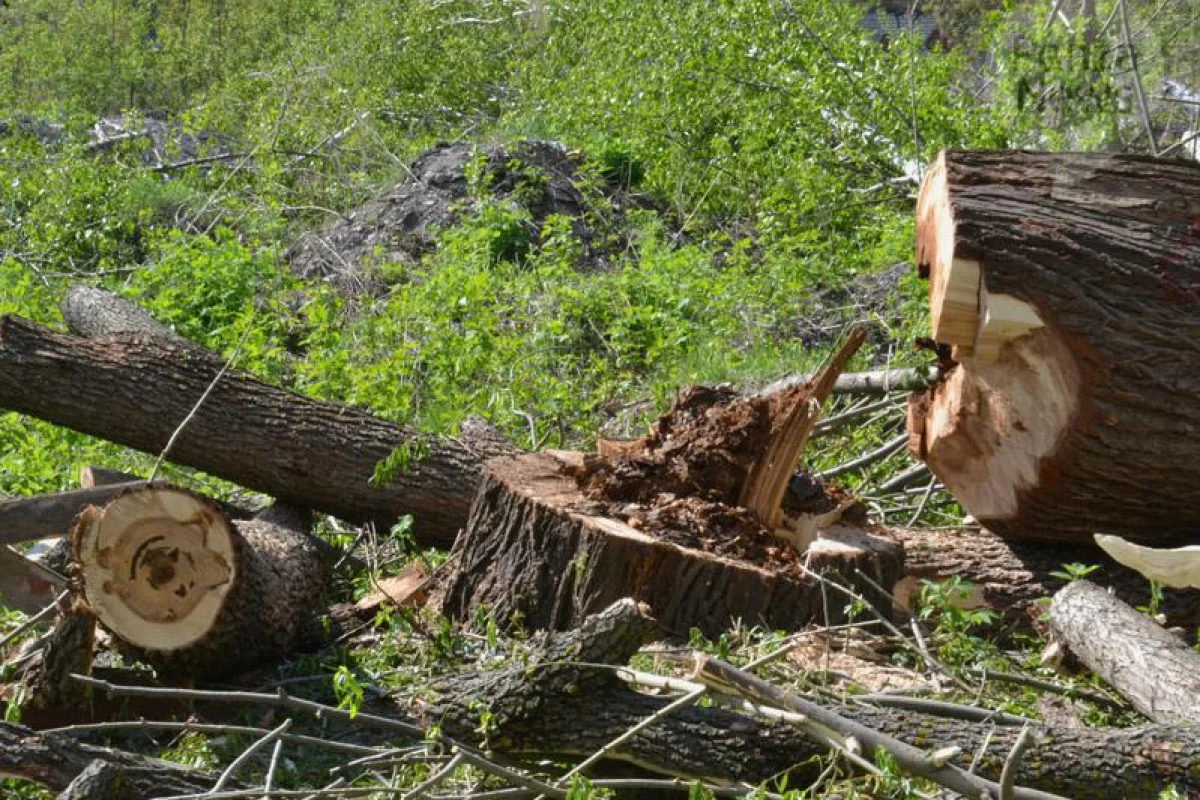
[[23, 519], [537, 708], [876, 382], [87, 771], [26, 585], [97, 314], [136, 391], [1147, 665]]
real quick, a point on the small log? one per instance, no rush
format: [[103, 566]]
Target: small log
[[1014, 577], [1066, 285], [135, 391], [532, 552], [190, 592], [1149, 666]]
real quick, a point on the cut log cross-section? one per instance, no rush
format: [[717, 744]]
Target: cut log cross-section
[[1068, 286], [193, 593]]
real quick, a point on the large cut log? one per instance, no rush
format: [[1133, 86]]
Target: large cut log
[[136, 391], [190, 592], [533, 551], [1149, 666], [1015, 577], [1068, 287]]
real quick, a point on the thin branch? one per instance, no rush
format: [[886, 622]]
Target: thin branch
[[35, 619], [248, 753], [866, 459], [1009, 774], [198, 727], [1137, 79]]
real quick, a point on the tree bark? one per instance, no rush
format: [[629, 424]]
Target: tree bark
[[136, 391], [537, 707], [1146, 664], [1014, 577], [23, 519], [1068, 285], [532, 552], [97, 773], [191, 593]]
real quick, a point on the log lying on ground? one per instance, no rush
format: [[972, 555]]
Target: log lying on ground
[[81, 771], [23, 519], [136, 391], [1146, 664], [1066, 284], [1014, 577], [190, 592], [537, 707]]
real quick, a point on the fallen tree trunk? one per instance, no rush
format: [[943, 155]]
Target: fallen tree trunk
[[136, 391], [1149, 666], [537, 707], [81, 771], [1067, 286], [23, 519], [188, 591], [1014, 577]]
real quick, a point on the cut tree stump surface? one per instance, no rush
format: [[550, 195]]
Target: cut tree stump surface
[[533, 552]]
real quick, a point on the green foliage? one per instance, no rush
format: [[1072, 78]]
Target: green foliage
[[348, 690], [949, 604], [1074, 571]]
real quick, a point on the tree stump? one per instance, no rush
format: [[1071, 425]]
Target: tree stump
[[1068, 288], [532, 553], [188, 591]]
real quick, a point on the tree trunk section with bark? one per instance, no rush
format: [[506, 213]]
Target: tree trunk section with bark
[[533, 553], [537, 708], [1015, 577], [1146, 664], [190, 592], [136, 391], [1069, 287]]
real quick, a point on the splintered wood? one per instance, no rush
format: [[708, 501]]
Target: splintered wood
[[1066, 285]]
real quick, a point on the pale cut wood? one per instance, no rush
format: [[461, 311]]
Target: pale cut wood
[[191, 593], [156, 566], [26, 585], [793, 416], [1065, 284], [1149, 666]]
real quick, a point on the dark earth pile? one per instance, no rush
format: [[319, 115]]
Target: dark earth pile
[[442, 188]]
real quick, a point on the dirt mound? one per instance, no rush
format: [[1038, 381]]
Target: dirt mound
[[441, 189]]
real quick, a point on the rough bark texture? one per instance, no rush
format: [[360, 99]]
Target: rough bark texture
[[538, 708], [96, 314], [1012, 576], [529, 557], [1148, 665], [97, 773], [1069, 285], [277, 574], [136, 391]]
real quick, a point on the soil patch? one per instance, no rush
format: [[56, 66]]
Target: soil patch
[[540, 178]]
